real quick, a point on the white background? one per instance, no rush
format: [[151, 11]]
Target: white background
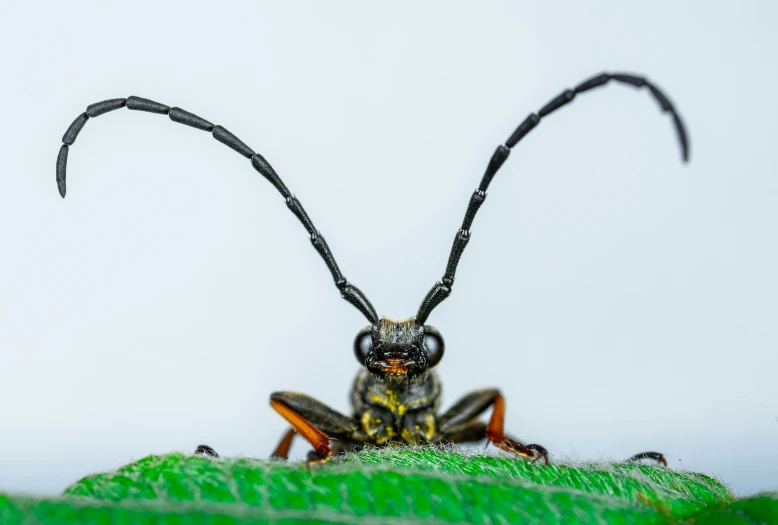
[[620, 300]]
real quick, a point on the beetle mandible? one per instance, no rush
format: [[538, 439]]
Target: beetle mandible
[[396, 395]]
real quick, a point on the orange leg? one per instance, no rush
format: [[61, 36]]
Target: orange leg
[[496, 433], [282, 450], [318, 439], [460, 423]]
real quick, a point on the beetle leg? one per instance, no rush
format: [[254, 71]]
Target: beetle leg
[[469, 407], [470, 432], [496, 434], [206, 451], [473, 405], [311, 419], [343, 444], [656, 456], [282, 450]]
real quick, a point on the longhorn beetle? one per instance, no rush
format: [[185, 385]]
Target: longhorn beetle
[[396, 396]]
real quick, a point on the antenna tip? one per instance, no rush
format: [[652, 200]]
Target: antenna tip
[[685, 149]]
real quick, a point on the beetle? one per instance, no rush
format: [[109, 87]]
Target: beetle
[[396, 395]]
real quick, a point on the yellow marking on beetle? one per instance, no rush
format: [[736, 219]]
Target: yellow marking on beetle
[[388, 398], [372, 426], [369, 423], [429, 426], [420, 433], [389, 436]]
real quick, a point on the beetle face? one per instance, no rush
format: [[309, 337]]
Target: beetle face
[[398, 350]]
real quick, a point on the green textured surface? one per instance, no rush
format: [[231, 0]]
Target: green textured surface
[[391, 486], [761, 508]]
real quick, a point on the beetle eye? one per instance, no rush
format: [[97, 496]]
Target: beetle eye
[[433, 342], [363, 344]]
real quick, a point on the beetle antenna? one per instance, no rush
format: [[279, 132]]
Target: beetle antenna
[[349, 292], [442, 289]]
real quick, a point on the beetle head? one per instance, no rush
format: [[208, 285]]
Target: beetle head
[[398, 350]]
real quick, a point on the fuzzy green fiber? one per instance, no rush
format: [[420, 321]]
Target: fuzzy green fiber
[[391, 486]]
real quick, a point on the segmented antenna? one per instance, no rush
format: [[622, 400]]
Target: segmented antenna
[[349, 292], [442, 289]]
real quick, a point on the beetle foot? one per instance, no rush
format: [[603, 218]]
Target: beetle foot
[[205, 450], [316, 457], [539, 451], [532, 451], [655, 456]]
